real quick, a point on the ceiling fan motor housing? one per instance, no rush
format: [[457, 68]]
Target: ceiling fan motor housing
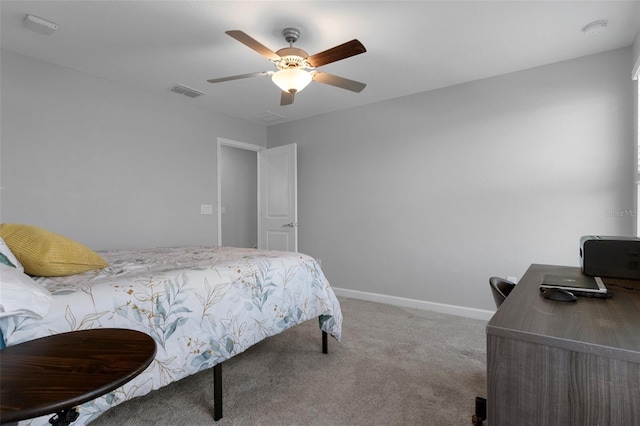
[[292, 57]]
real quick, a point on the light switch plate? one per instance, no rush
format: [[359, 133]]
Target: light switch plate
[[206, 209]]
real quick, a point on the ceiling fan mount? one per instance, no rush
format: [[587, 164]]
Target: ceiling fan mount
[[295, 68], [291, 35]]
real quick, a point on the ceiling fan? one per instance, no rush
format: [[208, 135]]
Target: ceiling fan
[[295, 68]]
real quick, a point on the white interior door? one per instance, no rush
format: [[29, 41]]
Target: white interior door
[[278, 198]]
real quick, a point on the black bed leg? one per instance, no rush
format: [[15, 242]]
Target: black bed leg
[[217, 392], [325, 348]]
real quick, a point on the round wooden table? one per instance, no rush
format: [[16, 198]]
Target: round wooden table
[[56, 373]]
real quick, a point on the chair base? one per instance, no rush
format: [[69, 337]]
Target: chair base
[[481, 412]]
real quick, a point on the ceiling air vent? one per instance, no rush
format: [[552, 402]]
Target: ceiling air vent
[[187, 91], [269, 117]]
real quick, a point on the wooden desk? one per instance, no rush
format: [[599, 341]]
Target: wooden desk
[[53, 374], [558, 363]]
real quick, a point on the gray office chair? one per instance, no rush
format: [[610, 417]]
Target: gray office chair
[[500, 288]]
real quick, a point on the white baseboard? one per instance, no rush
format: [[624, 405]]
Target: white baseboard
[[461, 311]]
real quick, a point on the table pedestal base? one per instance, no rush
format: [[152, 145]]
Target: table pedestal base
[[64, 417]]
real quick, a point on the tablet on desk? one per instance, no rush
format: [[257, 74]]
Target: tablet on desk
[[580, 285]]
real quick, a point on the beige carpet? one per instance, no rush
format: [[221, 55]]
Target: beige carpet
[[394, 366]]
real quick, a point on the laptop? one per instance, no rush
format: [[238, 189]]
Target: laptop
[[580, 285]]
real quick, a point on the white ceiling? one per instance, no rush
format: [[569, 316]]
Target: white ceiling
[[412, 46]]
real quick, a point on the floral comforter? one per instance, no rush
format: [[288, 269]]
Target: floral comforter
[[202, 305]]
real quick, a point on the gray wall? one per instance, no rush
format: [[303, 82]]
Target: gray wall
[[239, 189], [636, 48], [424, 197], [105, 164]]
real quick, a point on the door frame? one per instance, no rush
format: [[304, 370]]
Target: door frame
[[235, 144]]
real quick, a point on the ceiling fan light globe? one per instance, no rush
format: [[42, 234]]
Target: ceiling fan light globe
[[291, 80]]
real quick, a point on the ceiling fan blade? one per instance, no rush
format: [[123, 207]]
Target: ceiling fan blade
[[238, 77], [249, 41], [343, 51], [286, 98], [341, 82]]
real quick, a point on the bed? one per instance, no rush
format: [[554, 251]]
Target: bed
[[201, 305]]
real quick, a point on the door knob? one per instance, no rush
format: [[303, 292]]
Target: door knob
[[291, 225]]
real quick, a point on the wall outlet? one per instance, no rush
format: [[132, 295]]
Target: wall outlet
[[513, 279]]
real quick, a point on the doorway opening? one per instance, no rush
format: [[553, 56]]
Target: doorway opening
[[237, 167]]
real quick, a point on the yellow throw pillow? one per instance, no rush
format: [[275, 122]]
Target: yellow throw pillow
[[45, 254]]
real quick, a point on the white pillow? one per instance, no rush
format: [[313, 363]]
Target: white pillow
[[4, 249], [22, 296]]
